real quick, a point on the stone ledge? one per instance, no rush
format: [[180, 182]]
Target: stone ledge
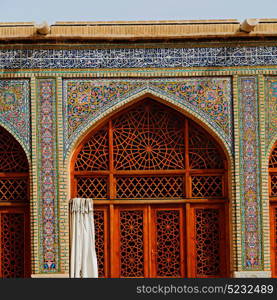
[[133, 30], [252, 274], [60, 275]]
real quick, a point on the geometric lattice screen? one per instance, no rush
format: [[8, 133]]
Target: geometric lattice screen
[[207, 241], [14, 209], [273, 208], [146, 168]]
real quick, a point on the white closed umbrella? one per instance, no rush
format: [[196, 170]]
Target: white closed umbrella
[[83, 263]]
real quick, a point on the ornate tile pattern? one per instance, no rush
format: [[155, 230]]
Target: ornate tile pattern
[[271, 109], [250, 174], [15, 108], [47, 174], [211, 95], [137, 57], [86, 99]]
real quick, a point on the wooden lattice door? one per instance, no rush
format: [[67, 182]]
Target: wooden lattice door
[[273, 208], [14, 209], [158, 181]]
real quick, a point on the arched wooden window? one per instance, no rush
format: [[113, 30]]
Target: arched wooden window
[[159, 184], [14, 209], [273, 207]]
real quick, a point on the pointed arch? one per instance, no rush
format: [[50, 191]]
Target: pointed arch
[[97, 124], [184, 108]]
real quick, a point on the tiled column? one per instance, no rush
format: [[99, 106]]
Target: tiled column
[[64, 178], [248, 171], [47, 176]]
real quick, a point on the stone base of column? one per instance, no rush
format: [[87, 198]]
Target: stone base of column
[[49, 275], [252, 274]]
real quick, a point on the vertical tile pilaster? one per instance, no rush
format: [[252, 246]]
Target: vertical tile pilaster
[[249, 170], [47, 172], [64, 174], [264, 176]]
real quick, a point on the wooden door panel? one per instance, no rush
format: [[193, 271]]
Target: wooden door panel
[[15, 243], [207, 241], [154, 240], [130, 242], [102, 239], [273, 233], [167, 245]]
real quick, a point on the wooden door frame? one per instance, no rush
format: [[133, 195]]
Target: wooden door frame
[[224, 253], [16, 166], [20, 208], [272, 219], [25, 211], [116, 238], [188, 201], [153, 237], [273, 237]]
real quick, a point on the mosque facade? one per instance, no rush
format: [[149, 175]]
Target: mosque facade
[[169, 126]]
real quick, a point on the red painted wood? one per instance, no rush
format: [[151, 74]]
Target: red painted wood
[[136, 166], [15, 242], [272, 190]]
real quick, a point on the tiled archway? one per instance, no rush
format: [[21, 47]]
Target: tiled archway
[[160, 187]]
